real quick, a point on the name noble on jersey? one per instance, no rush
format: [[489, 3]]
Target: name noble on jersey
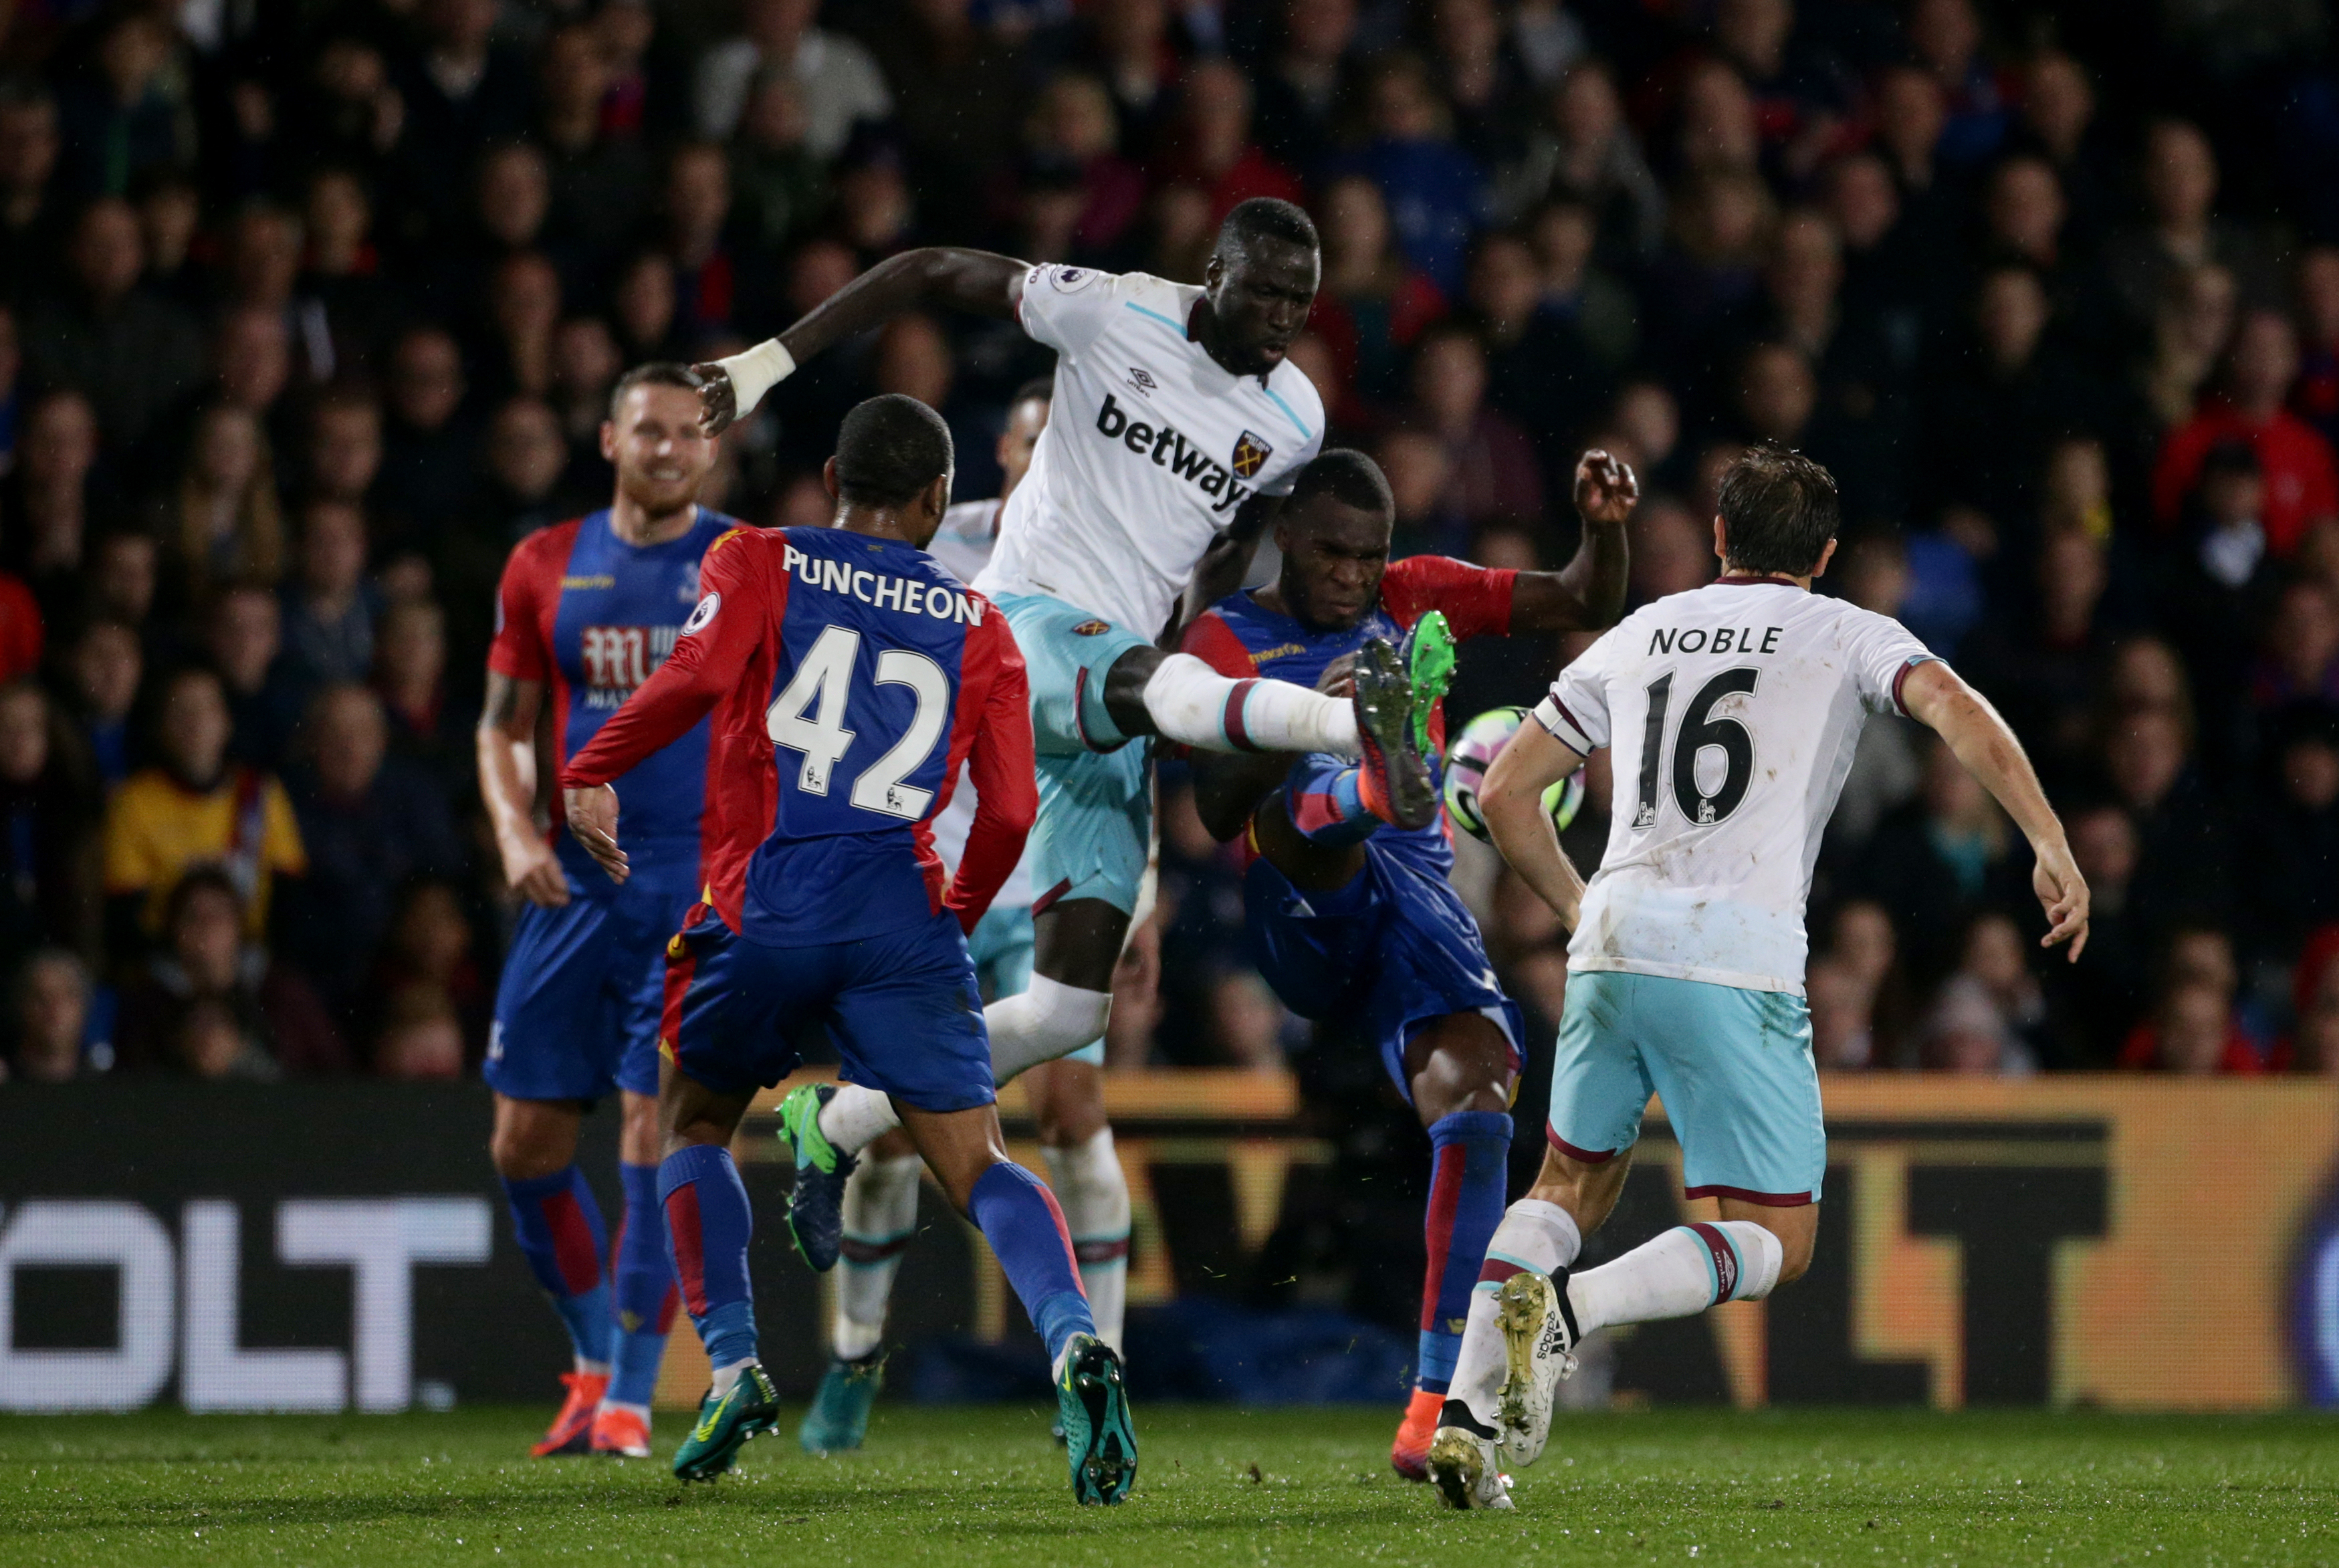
[[1726, 640], [886, 592], [1168, 447]]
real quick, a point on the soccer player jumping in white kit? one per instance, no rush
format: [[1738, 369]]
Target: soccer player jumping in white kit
[[1731, 712], [1177, 421]]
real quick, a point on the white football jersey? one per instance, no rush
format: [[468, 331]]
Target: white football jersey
[[1730, 713], [962, 545], [1150, 448]]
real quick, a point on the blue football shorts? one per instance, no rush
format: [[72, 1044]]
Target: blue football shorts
[[1734, 1068], [900, 1006], [576, 1008], [1403, 953]]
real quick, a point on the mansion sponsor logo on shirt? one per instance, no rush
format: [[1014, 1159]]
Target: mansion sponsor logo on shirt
[[620, 658], [1168, 448], [886, 591]]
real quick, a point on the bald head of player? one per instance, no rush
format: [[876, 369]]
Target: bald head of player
[[1775, 516], [891, 476], [1334, 534], [1258, 285], [653, 440]]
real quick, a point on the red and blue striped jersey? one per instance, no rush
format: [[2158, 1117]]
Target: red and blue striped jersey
[[592, 617], [849, 677], [1240, 638]]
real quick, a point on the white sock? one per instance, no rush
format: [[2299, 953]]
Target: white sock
[[1046, 1020], [854, 1117], [1093, 1192], [591, 1369], [726, 1377], [881, 1215], [1684, 1271], [1192, 701], [1533, 1235], [642, 1411]]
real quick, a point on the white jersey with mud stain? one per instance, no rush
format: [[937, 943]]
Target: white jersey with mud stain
[[1730, 713], [1150, 448]]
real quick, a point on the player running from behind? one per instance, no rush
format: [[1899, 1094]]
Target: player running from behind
[[1066, 1096], [1177, 422], [1350, 919], [849, 677], [584, 613], [1732, 713]]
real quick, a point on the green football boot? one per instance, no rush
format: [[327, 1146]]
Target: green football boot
[[751, 1407], [816, 1202], [1392, 775], [839, 1418], [1429, 659], [1092, 1407]]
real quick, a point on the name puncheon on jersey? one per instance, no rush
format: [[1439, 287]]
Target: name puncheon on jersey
[[884, 590]]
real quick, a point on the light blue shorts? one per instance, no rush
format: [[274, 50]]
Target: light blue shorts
[[1096, 785], [1001, 948], [1733, 1067]]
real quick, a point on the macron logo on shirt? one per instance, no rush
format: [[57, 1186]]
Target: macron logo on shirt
[[882, 590], [1170, 448]]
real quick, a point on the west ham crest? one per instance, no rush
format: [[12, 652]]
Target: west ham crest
[[1250, 455]]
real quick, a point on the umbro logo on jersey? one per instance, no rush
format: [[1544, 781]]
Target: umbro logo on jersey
[[1141, 381], [1170, 448], [1250, 454]]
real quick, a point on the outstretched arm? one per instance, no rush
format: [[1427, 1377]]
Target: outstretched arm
[[1588, 593], [1511, 800], [979, 281], [1939, 699]]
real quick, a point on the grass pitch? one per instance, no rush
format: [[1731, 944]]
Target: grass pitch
[[972, 1487]]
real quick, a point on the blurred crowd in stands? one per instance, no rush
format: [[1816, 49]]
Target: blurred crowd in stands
[[309, 311]]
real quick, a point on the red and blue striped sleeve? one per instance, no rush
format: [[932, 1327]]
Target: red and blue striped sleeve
[[1476, 600], [525, 597]]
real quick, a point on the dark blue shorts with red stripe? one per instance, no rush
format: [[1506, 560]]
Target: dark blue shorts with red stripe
[[901, 1008]]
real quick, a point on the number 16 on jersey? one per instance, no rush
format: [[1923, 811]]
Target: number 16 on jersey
[[1701, 731]]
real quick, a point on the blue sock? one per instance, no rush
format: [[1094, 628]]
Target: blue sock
[[646, 1293], [564, 1242], [707, 1224], [1321, 796], [1018, 1216], [1471, 1154]]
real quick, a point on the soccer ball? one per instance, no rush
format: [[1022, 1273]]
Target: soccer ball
[[1474, 752]]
